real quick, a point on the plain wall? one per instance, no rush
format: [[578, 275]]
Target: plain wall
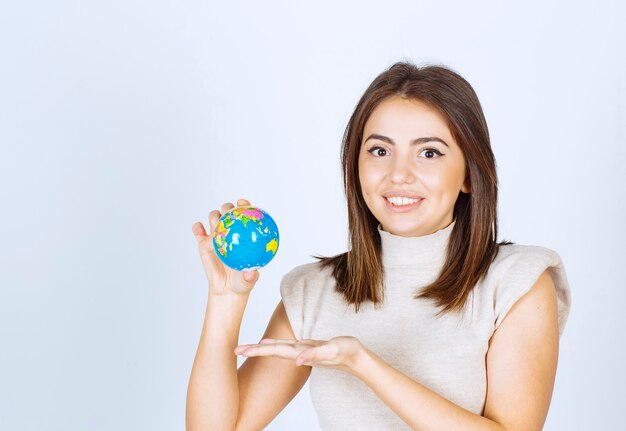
[[124, 122]]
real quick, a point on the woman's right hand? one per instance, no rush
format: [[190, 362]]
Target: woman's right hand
[[222, 279]]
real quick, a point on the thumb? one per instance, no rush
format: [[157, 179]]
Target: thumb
[[306, 356], [250, 277], [198, 231]]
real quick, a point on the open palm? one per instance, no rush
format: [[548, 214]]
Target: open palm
[[339, 352]]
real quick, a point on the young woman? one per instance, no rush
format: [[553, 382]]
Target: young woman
[[427, 322]]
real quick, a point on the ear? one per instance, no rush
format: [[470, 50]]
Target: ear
[[465, 188]]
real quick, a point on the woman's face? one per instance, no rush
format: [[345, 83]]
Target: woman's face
[[408, 151]]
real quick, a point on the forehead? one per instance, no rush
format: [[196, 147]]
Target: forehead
[[400, 118]]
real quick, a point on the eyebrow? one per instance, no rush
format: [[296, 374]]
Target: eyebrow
[[413, 142]]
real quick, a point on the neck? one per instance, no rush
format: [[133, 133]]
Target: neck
[[421, 251]]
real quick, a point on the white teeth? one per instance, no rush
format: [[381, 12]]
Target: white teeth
[[396, 200]]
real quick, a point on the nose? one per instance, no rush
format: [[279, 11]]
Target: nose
[[402, 171]]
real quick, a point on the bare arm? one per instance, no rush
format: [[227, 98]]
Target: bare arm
[[220, 397], [268, 384], [521, 366], [213, 392]]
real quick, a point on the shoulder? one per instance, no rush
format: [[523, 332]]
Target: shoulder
[[522, 357], [523, 264], [517, 268], [513, 254], [303, 275], [306, 271]]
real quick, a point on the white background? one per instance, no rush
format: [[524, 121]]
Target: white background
[[124, 122]]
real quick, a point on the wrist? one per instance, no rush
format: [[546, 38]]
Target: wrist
[[229, 296], [226, 306], [361, 362]]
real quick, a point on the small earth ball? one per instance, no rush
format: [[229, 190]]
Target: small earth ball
[[245, 238]]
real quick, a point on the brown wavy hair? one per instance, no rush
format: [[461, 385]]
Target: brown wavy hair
[[472, 246]]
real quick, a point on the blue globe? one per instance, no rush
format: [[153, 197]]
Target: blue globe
[[245, 238]]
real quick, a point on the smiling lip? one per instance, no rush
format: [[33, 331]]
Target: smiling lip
[[401, 193], [403, 208]]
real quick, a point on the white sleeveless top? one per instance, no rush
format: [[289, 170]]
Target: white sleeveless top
[[446, 355]]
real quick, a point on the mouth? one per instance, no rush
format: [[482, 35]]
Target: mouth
[[401, 204]]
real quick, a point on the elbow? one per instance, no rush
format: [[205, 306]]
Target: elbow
[[501, 427]]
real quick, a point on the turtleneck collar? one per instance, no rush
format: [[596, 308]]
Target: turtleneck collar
[[418, 251]]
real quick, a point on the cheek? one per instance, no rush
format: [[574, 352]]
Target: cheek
[[441, 181], [366, 186], [433, 179], [367, 177]]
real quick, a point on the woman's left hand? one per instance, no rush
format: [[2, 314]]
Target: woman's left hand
[[341, 353]]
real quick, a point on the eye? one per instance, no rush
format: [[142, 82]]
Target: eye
[[431, 151], [376, 151]]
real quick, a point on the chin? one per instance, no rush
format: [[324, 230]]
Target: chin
[[400, 227]]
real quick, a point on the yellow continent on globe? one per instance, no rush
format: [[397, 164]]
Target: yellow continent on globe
[[272, 246]]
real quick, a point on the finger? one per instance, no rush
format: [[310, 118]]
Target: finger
[[267, 341], [326, 352], [198, 231], [281, 350], [214, 216], [227, 207], [205, 239], [311, 342], [305, 357], [250, 276], [253, 350], [242, 202], [278, 340]]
